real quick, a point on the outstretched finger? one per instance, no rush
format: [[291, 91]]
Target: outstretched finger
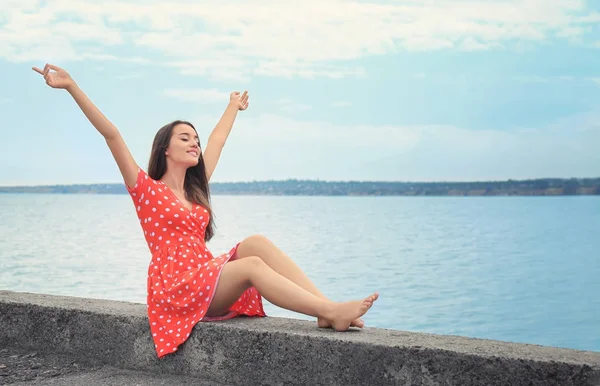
[[53, 67], [37, 70]]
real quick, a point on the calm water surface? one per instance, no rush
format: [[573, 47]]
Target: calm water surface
[[521, 269]]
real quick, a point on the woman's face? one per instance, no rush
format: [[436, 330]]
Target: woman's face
[[184, 146]]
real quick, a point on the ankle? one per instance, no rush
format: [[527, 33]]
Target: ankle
[[327, 310]]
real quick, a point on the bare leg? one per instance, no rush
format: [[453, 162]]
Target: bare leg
[[239, 275], [281, 263]]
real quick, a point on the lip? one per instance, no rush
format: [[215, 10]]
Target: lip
[[193, 152]]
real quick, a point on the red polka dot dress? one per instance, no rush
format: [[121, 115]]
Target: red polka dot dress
[[183, 274]]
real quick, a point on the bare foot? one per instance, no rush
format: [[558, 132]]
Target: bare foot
[[344, 314], [322, 323]]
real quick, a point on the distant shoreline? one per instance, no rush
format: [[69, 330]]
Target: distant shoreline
[[534, 187]]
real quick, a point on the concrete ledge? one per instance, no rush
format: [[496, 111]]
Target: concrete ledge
[[277, 351]]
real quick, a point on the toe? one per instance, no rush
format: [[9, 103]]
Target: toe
[[358, 323]]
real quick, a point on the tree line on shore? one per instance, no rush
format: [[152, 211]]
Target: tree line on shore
[[292, 187]]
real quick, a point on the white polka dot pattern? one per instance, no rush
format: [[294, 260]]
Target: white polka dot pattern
[[183, 274]]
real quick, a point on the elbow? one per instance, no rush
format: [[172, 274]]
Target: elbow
[[111, 136]]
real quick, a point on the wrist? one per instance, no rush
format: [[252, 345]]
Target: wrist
[[233, 105], [73, 87]]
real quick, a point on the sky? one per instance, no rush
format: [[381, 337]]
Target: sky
[[397, 90]]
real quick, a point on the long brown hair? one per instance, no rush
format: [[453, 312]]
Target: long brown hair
[[195, 184]]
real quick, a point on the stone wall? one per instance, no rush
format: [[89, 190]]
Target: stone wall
[[278, 351]]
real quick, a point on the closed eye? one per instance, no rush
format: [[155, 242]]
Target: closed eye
[[185, 137]]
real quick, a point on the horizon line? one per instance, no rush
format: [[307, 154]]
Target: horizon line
[[326, 181]]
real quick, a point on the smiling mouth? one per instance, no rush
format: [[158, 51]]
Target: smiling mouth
[[195, 154]]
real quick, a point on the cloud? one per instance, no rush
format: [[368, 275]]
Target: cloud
[[221, 67], [470, 44], [198, 95], [592, 17], [571, 32], [129, 76], [289, 105], [271, 146], [105, 57], [566, 148], [238, 39], [289, 69]]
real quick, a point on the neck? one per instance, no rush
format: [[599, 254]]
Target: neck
[[174, 178]]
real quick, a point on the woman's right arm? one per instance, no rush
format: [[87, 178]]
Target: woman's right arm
[[122, 155]]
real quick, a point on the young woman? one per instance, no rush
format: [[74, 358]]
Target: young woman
[[186, 283]]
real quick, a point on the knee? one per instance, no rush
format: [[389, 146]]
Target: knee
[[256, 240], [254, 261]]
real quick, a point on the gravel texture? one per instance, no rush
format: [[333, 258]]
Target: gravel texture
[[18, 365]]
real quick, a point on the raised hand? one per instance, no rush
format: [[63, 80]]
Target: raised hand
[[240, 101], [57, 79]]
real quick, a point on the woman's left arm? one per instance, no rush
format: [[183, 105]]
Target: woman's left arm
[[219, 135]]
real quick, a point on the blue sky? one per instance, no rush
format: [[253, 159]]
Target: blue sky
[[339, 90]]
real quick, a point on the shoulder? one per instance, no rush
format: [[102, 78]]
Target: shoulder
[[143, 180]]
